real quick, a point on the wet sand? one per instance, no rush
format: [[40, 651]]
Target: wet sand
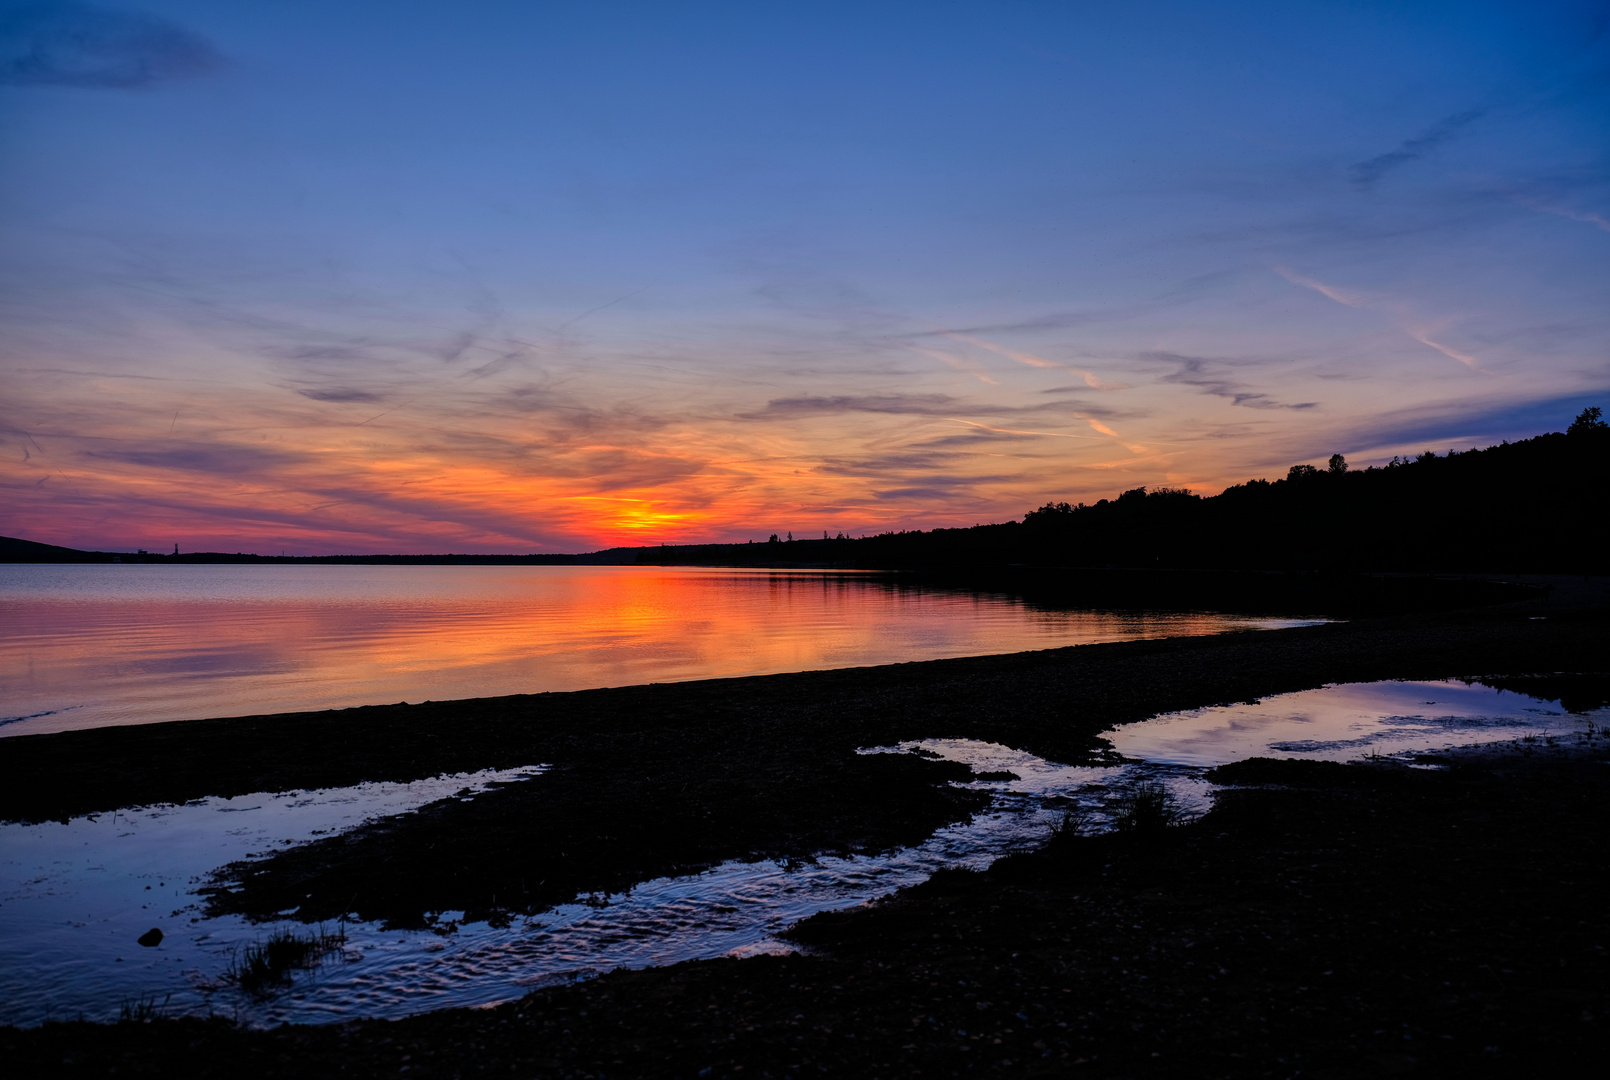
[[1460, 903]]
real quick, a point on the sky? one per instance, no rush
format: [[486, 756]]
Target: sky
[[495, 276]]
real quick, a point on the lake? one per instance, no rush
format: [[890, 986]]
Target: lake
[[95, 645]]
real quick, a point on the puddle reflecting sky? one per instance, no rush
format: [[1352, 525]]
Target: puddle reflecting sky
[[85, 646], [1343, 723], [74, 897]]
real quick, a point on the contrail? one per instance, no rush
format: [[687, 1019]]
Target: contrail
[[1015, 431], [601, 307]]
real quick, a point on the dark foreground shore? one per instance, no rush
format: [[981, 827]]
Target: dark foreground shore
[[1346, 921]]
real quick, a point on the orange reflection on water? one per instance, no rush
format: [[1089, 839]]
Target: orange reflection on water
[[84, 646]]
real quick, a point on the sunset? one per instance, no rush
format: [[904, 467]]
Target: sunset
[[774, 540], [510, 278]]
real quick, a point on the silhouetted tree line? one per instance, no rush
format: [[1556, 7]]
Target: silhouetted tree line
[[1537, 506]]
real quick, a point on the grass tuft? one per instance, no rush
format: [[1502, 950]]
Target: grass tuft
[[1147, 809], [264, 966], [1073, 823], [141, 1010]]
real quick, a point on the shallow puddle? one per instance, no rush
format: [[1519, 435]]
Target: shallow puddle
[[74, 897], [73, 901], [1345, 722]]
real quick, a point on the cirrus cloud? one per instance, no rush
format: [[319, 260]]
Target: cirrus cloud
[[98, 48]]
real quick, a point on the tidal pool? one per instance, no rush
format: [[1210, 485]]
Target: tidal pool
[[75, 897]]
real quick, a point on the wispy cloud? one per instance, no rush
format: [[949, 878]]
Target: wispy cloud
[[1423, 336], [1548, 207], [1028, 359], [896, 404], [341, 394], [1019, 431], [1459, 424], [1366, 173], [218, 459], [884, 341], [957, 364], [98, 48], [1341, 296], [941, 406], [1401, 315], [1095, 425], [1208, 375]]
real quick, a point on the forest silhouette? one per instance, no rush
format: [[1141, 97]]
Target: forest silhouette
[[1534, 506]]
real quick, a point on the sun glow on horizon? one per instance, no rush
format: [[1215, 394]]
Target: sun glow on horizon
[[386, 295]]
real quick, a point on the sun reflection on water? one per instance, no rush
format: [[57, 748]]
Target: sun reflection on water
[[83, 646]]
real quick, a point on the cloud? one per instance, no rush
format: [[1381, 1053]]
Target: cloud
[[1366, 173], [939, 406], [898, 404], [1030, 360], [98, 48], [1105, 430], [1596, 220], [340, 394], [936, 487], [1422, 335], [958, 364], [1094, 382], [1401, 314], [231, 461], [923, 457], [1474, 423], [1197, 371], [968, 440], [1351, 299]]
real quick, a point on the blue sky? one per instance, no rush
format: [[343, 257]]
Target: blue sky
[[507, 276]]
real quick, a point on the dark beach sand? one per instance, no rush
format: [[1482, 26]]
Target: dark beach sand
[[1352, 921]]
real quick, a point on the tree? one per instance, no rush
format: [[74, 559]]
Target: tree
[[1301, 472], [1338, 464], [1587, 421], [1050, 512]]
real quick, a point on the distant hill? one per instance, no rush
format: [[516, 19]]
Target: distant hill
[[14, 550], [1535, 506], [26, 551]]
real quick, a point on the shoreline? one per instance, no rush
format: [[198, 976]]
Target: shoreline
[[1344, 921], [1055, 703], [109, 650], [686, 774]]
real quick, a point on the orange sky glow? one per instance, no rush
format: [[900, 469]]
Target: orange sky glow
[[217, 453], [533, 281]]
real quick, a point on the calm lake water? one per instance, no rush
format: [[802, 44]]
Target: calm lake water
[[88, 646]]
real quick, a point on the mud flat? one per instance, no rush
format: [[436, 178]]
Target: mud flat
[[1359, 919]]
